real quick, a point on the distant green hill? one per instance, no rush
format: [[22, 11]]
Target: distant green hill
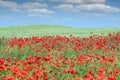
[[43, 30]]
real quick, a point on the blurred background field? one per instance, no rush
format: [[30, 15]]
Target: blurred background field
[[50, 30]]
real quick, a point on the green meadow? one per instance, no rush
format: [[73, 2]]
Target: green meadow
[[59, 58], [43, 30]]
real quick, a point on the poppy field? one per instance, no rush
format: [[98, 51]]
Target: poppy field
[[96, 57]]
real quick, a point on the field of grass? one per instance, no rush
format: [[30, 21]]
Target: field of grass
[[36, 54], [43, 30]]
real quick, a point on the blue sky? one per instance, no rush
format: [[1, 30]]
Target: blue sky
[[76, 13]]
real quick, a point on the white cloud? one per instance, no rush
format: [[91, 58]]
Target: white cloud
[[16, 10], [4, 17], [96, 14], [66, 7], [29, 7], [97, 8], [37, 15], [93, 6], [41, 11], [11, 4], [39, 0], [33, 5], [88, 8], [79, 1], [8, 4]]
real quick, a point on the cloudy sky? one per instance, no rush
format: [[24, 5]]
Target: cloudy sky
[[76, 13]]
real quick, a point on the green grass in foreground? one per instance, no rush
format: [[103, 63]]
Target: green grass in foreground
[[43, 30]]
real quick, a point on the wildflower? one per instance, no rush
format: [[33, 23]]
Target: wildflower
[[81, 57], [72, 71], [111, 78], [111, 59], [10, 78], [1, 61], [2, 68]]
